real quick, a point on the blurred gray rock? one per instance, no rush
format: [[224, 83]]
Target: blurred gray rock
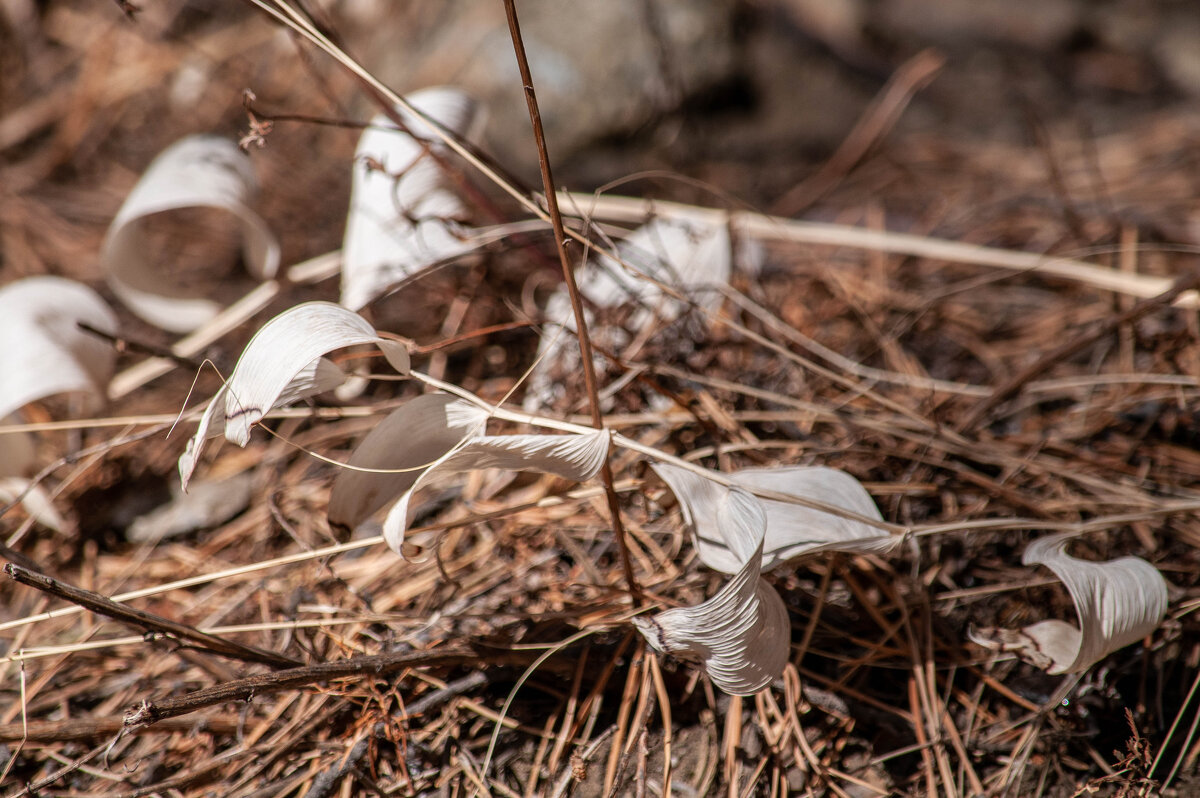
[[600, 68], [1039, 24]]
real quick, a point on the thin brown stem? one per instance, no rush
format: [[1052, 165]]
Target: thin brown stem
[[560, 241]]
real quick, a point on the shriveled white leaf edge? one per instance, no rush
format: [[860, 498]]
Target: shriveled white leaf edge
[[792, 530], [317, 377], [403, 218], [282, 363], [687, 255], [34, 499], [43, 352], [404, 444], [576, 457], [196, 171], [1118, 602], [742, 635]]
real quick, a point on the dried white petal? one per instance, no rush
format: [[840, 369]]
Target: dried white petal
[[792, 530], [282, 363], [195, 172], [43, 350], [283, 347], [741, 635], [317, 377], [574, 457], [34, 499], [410, 440], [1118, 602], [691, 256], [402, 217]]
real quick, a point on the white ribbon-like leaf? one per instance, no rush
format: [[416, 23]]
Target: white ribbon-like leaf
[[317, 377], [34, 499], [195, 172], [44, 352], [402, 217], [1118, 602], [435, 437], [792, 530], [686, 254], [574, 457], [282, 363], [408, 442], [741, 635]]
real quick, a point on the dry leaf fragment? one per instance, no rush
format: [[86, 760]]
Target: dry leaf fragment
[[435, 437], [742, 634], [195, 172], [693, 257], [1118, 602], [404, 444], [792, 530], [45, 352], [402, 216], [282, 363], [574, 457], [34, 499]]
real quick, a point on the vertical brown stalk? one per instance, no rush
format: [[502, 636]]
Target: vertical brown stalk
[[560, 241]]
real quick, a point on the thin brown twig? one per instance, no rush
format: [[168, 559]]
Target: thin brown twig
[[1010, 388], [376, 665], [147, 620], [560, 240]]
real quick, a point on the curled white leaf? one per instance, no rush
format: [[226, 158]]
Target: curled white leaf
[[195, 172], [402, 216], [742, 634], [44, 352], [34, 499], [433, 438], [691, 256], [394, 454], [792, 530], [317, 377], [282, 363], [574, 457], [1118, 602]]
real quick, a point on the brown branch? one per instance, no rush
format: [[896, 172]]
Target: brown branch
[[83, 729], [1013, 386], [560, 240], [146, 620], [376, 665]]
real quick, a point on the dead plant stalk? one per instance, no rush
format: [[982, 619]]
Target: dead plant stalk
[[560, 241]]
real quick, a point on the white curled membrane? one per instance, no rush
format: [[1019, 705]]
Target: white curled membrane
[[45, 352], [792, 530], [195, 172], [403, 218], [1118, 602], [742, 635], [681, 253], [692, 256], [434, 438], [43, 349], [283, 363]]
